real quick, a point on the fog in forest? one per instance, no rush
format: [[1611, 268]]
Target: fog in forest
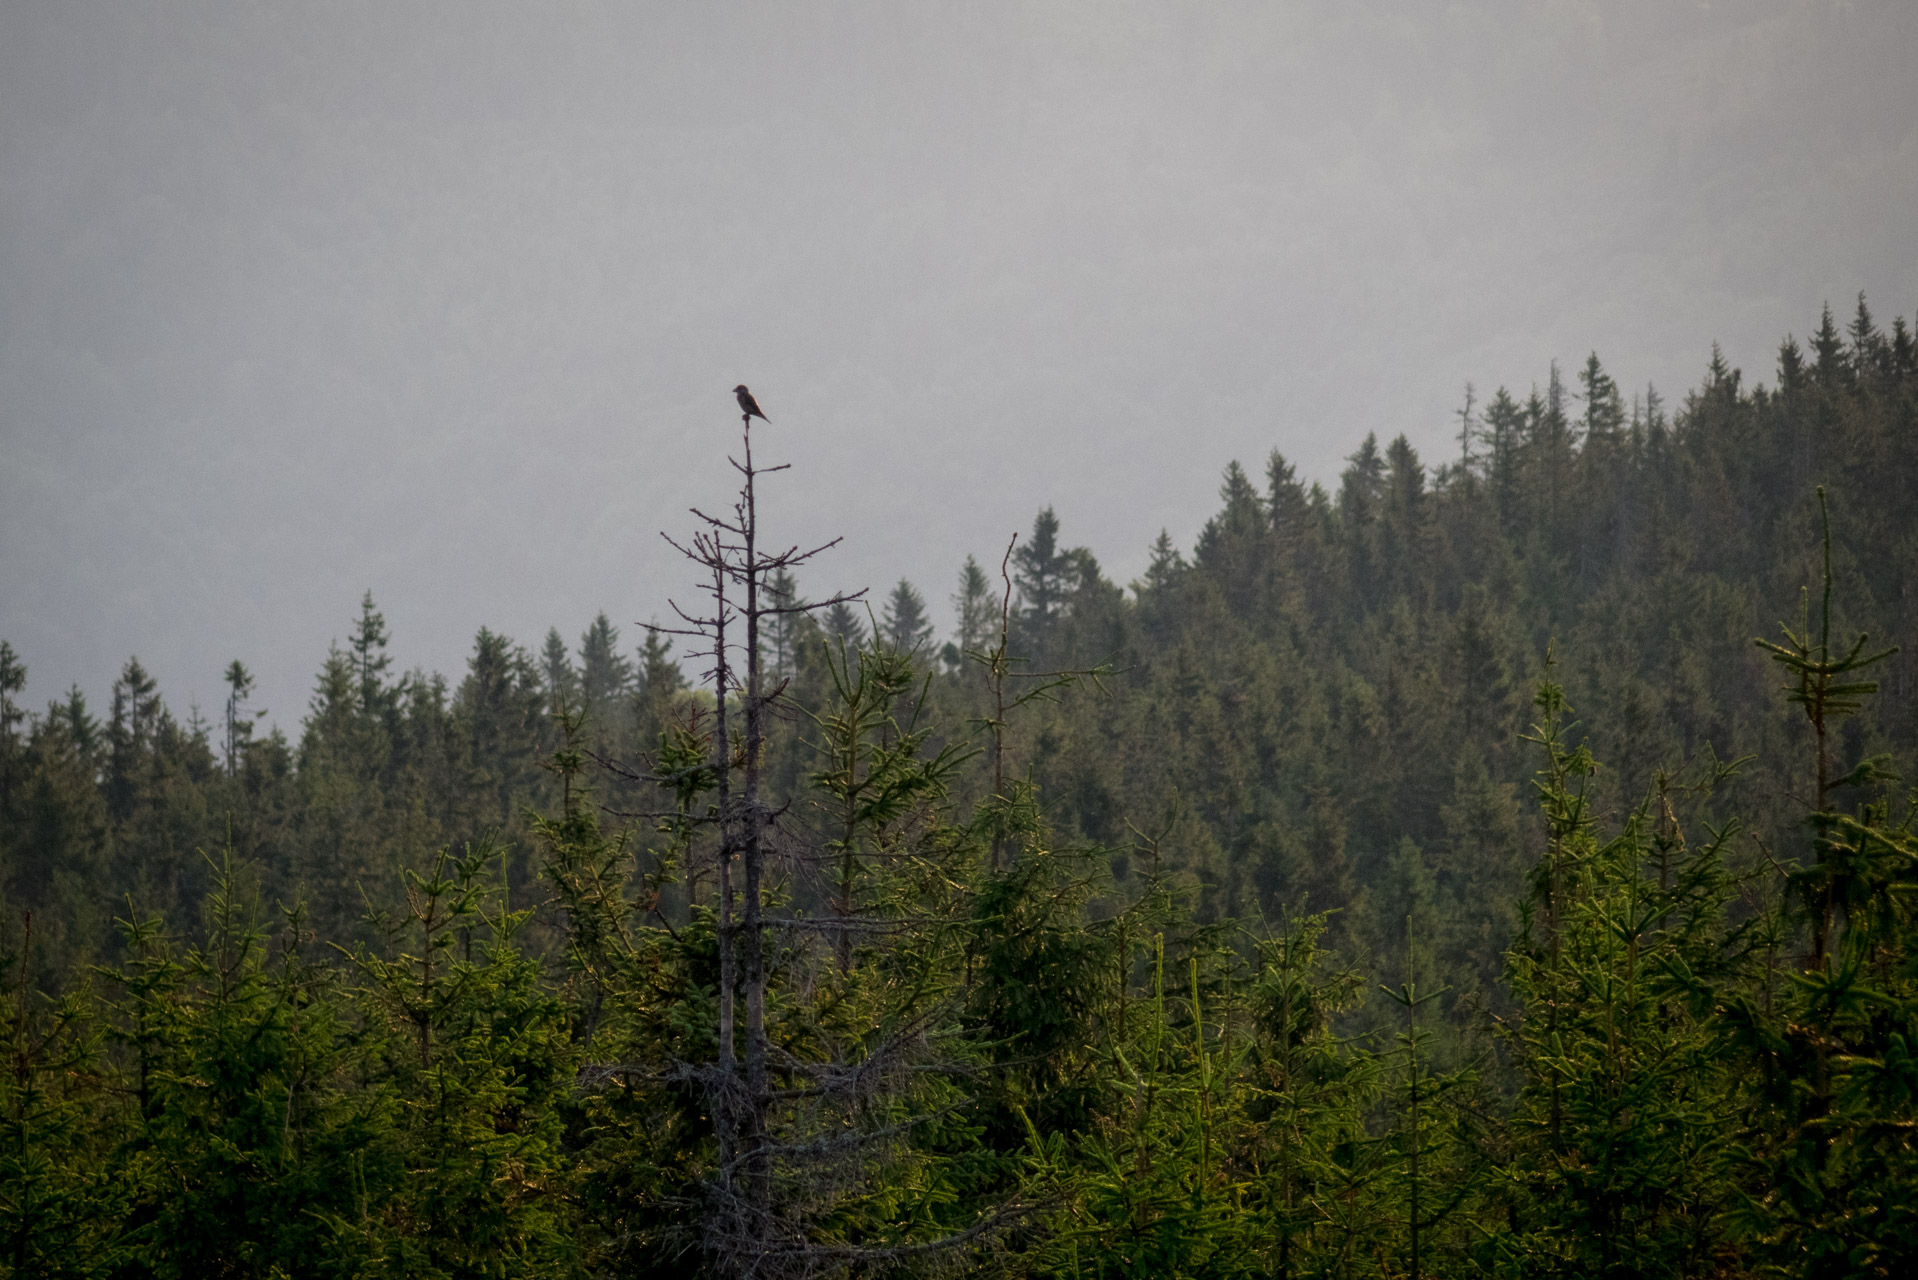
[[444, 300], [1432, 793]]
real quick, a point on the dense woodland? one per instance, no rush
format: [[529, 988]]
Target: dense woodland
[[1431, 876]]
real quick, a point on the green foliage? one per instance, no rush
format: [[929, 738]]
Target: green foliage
[[1624, 1116], [476, 1059], [60, 1205], [239, 1140], [1183, 932]]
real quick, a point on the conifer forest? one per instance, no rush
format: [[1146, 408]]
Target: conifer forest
[[1498, 864]]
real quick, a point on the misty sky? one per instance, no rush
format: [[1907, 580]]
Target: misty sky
[[445, 300]]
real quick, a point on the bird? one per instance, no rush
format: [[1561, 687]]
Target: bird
[[748, 405]]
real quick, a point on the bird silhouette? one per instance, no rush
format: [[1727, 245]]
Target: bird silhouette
[[748, 405]]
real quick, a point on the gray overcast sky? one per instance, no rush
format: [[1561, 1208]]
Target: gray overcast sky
[[445, 299]]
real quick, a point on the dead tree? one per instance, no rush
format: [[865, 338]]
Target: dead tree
[[794, 1137]]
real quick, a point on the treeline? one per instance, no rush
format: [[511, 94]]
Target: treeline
[[1075, 927], [1324, 699]]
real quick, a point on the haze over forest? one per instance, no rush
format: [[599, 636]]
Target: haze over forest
[[1433, 793], [442, 300]]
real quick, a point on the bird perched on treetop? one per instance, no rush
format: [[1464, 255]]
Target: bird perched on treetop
[[748, 405]]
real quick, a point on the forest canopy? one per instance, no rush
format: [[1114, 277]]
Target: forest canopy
[[1498, 863]]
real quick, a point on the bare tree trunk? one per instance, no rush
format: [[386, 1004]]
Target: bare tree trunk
[[722, 765], [753, 851], [825, 1149]]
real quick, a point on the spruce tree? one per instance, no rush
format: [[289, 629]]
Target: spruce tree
[[1233, 548], [1043, 577], [1361, 497], [1405, 530], [1625, 1109], [1166, 562], [239, 724], [785, 624], [133, 728], [903, 623], [605, 674], [1286, 504], [1504, 431], [843, 625], [659, 681], [61, 1203], [501, 705], [367, 645], [973, 605], [562, 678], [472, 1045]]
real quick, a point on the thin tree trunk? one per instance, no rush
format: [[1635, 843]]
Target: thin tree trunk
[[722, 763], [753, 859]]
